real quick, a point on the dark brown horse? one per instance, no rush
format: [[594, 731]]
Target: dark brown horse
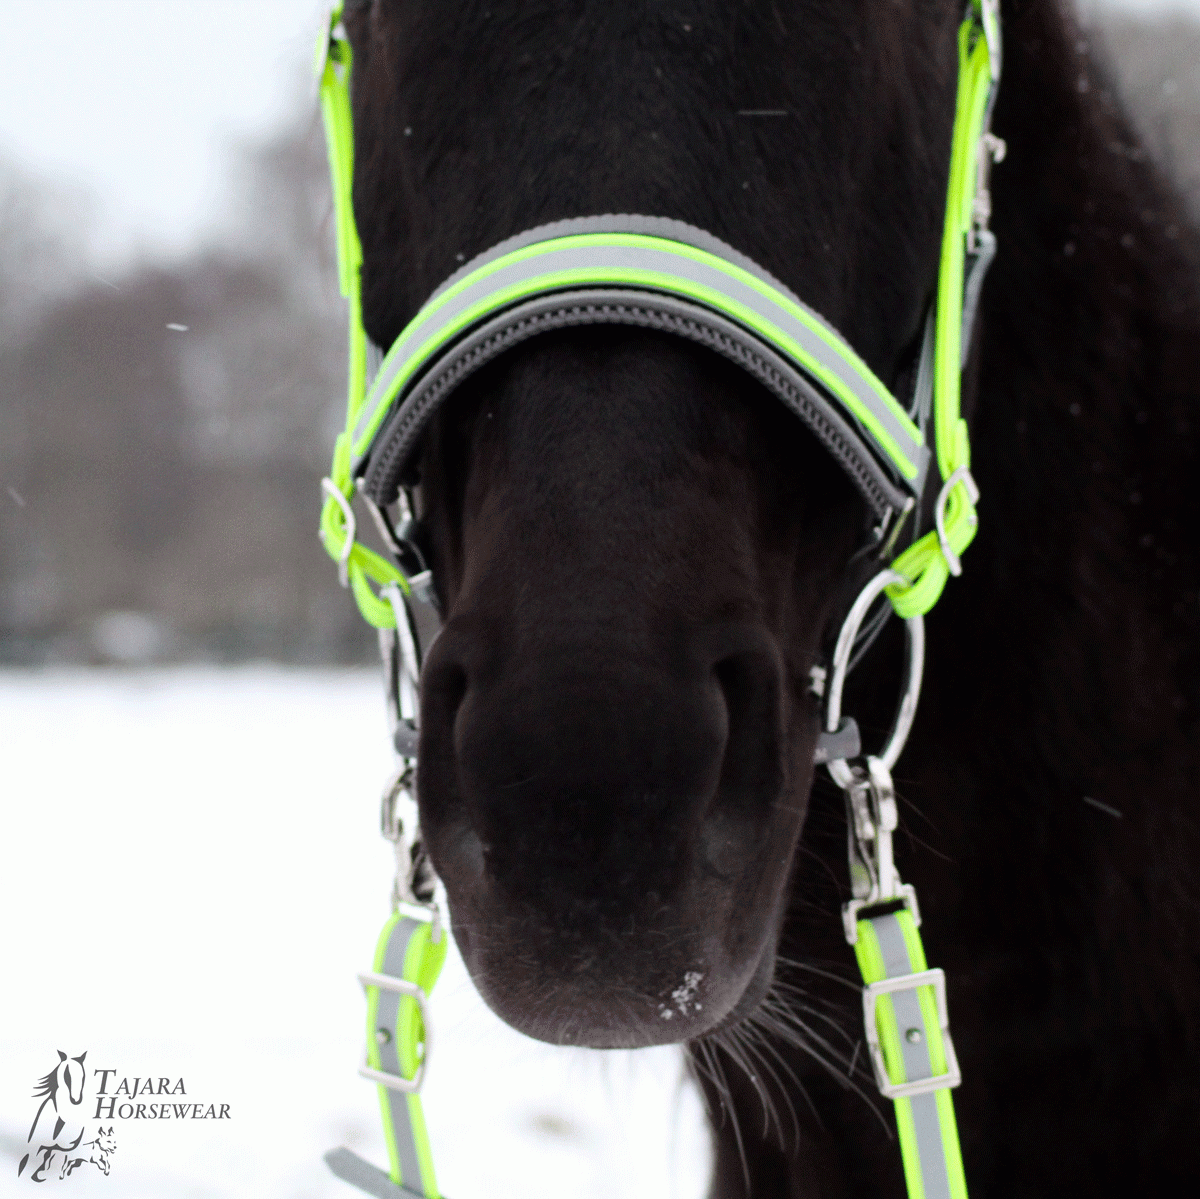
[[639, 552]]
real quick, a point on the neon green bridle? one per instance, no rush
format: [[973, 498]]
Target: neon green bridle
[[925, 565], [663, 274]]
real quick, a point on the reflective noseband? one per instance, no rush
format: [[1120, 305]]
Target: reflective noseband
[[653, 273]]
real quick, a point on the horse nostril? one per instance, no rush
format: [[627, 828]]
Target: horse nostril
[[750, 681], [443, 689]]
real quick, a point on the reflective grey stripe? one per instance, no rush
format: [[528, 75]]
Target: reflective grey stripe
[[627, 222], [396, 441], [927, 1126], [386, 1018], [351, 1168], [753, 300]]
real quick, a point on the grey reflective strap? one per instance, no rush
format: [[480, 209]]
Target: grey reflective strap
[[904, 1006], [351, 1168], [407, 1120], [393, 445], [739, 291]]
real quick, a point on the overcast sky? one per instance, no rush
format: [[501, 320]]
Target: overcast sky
[[137, 102], [134, 104]]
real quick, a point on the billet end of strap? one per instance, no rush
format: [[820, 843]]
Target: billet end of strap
[[358, 1172]]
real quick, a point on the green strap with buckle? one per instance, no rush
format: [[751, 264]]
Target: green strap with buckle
[[908, 1038], [360, 566], [929, 562], [408, 960]]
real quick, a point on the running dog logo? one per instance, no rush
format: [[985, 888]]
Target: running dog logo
[[61, 1145], [93, 1153]]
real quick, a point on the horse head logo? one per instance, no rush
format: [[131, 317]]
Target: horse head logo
[[61, 1090], [64, 1084]]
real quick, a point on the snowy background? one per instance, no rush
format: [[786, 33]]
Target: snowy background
[[191, 871], [192, 878]]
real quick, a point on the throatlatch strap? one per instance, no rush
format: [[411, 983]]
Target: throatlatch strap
[[905, 1010], [396, 1046]]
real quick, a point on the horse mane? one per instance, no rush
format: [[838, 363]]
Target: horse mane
[[1087, 385], [48, 1085]]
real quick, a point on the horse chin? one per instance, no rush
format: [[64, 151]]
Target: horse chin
[[613, 1018], [642, 992]]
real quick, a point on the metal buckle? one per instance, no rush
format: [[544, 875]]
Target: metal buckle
[[401, 986], [963, 476], [910, 982], [331, 489], [989, 19]]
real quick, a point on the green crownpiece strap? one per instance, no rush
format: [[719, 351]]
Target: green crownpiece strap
[[361, 566]]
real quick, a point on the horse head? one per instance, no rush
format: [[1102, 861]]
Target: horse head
[[71, 1075], [639, 552], [65, 1077]]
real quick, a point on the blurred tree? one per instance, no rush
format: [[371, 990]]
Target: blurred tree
[[164, 435]]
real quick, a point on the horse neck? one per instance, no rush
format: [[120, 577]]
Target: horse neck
[[1063, 662]]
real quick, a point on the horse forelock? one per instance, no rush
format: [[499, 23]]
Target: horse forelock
[[474, 123]]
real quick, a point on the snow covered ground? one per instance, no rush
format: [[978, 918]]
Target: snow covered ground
[[191, 877]]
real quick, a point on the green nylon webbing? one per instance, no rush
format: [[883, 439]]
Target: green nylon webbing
[[363, 565], [923, 562], [395, 1044]]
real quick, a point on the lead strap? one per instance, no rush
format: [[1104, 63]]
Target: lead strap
[[904, 1009], [408, 960]]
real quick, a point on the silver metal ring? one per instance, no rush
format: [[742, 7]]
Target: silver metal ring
[[914, 667]]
